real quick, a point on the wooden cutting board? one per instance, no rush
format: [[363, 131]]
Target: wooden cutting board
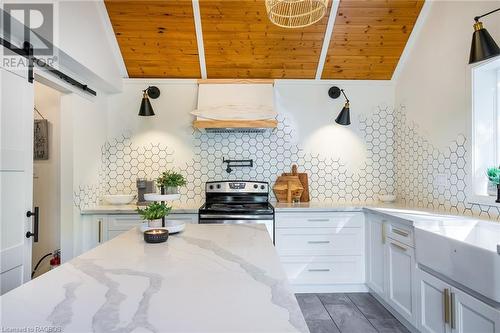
[[304, 180], [287, 187]]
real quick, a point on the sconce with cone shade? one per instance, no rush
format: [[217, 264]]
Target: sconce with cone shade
[[146, 108], [483, 45], [344, 117]]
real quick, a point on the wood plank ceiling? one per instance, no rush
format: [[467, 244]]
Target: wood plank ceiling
[[369, 37], [158, 39], [241, 42]]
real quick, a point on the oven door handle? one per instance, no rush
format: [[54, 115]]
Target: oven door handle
[[235, 217]]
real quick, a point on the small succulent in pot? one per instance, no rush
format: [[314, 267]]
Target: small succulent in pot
[[154, 212], [494, 180], [170, 181]]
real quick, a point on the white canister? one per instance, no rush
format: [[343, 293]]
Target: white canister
[[154, 223]]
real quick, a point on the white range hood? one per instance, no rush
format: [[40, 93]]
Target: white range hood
[[235, 107]]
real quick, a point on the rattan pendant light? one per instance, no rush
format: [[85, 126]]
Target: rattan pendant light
[[295, 13]]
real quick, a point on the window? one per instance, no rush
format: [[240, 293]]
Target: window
[[485, 126]]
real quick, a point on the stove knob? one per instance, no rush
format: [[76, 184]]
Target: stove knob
[[255, 186], [262, 187], [211, 187], [218, 186]]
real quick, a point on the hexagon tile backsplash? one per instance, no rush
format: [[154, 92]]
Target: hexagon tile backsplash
[[397, 158], [419, 163]]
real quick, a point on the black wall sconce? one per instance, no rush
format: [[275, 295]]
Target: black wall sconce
[[237, 164], [483, 45], [146, 108], [344, 117]]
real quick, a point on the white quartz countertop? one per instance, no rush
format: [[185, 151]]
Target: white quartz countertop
[[326, 206], [177, 208], [210, 278]]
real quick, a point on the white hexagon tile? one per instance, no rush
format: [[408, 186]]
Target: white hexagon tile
[[419, 163], [397, 157]]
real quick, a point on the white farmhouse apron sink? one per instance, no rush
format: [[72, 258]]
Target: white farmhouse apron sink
[[462, 250]]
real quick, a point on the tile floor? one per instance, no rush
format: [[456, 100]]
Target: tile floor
[[347, 313]]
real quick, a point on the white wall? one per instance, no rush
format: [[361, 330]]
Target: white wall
[[305, 102], [434, 122], [83, 131], [46, 182], [433, 84], [83, 33], [344, 163]]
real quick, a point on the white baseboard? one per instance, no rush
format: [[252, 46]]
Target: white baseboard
[[329, 288]]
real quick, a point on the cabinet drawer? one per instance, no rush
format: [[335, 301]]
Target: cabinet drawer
[[324, 269], [318, 220], [320, 241], [400, 232], [123, 222]]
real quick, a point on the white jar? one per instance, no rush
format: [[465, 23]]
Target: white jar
[[154, 223]]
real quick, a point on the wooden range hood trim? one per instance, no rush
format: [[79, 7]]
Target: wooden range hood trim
[[203, 124]]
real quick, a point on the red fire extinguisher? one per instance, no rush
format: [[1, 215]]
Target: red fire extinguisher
[[56, 259]]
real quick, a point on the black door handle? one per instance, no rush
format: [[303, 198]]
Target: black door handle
[[35, 225]]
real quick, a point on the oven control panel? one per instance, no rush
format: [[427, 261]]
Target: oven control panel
[[237, 186]]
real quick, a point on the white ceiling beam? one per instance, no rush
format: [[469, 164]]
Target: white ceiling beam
[[111, 37], [326, 40], [199, 38]]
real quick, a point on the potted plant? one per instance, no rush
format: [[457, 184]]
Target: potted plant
[[154, 213], [494, 180], [170, 181]]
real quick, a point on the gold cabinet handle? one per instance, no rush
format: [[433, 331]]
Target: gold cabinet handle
[[100, 231], [446, 305], [452, 310], [400, 232], [383, 233], [402, 248], [318, 220]]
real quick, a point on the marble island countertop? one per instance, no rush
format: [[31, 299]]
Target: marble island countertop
[[210, 278]]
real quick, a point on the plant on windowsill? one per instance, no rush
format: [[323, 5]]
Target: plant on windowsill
[[154, 213], [170, 181], [494, 177]]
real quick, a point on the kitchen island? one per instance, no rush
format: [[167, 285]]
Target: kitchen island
[[209, 278]]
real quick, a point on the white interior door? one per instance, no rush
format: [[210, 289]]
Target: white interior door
[[16, 178]]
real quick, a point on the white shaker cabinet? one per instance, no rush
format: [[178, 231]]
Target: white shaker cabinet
[[391, 264], [433, 295], [322, 251], [468, 314], [375, 256], [400, 274], [93, 232], [446, 309]]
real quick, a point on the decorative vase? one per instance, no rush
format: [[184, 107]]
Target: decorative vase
[[155, 223], [492, 188], [172, 190]]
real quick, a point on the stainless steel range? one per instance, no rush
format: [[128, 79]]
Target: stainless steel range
[[237, 201]]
